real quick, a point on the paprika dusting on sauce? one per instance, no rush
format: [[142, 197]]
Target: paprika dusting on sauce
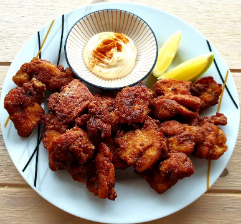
[[110, 55]]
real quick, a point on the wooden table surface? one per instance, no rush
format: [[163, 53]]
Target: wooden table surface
[[218, 20]]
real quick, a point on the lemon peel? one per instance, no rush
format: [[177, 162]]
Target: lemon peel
[[166, 54], [190, 70]]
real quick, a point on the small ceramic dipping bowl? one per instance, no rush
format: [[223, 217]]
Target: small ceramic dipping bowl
[[111, 20]]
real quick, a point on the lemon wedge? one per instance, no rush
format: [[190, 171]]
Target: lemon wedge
[[191, 69], [166, 54]]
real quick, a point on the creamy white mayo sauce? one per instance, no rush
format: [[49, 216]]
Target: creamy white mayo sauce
[[110, 55]]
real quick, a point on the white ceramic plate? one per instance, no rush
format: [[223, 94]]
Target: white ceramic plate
[[136, 201]]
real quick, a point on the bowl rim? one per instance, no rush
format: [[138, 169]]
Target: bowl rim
[[102, 87]]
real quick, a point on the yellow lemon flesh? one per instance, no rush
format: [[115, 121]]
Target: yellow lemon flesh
[[191, 69], [166, 54]]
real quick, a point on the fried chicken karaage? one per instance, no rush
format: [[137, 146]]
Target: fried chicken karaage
[[162, 176], [132, 104], [172, 87], [141, 148], [69, 147], [208, 90], [164, 109], [213, 145], [91, 136], [103, 115], [174, 98], [176, 166], [103, 182], [81, 172], [72, 100], [23, 106], [205, 140], [54, 77], [53, 129], [116, 160]]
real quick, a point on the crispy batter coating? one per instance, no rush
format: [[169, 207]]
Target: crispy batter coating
[[192, 103], [176, 166], [71, 146], [132, 104], [82, 120], [218, 119], [172, 87], [103, 107], [157, 182], [54, 77], [23, 106], [81, 172], [141, 148], [53, 128], [163, 176], [70, 102], [116, 160], [103, 115], [119, 127], [103, 182], [174, 99], [205, 140], [171, 128], [26, 120], [186, 140], [97, 127], [208, 90], [164, 109], [21, 97], [213, 145]]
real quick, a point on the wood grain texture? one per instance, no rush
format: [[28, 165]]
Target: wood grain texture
[[26, 206], [218, 20]]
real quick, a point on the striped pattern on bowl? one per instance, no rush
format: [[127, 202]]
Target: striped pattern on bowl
[[111, 21]]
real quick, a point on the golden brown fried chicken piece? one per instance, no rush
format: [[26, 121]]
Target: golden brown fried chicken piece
[[82, 120], [26, 120], [157, 182], [81, 172], [70, 102], [171, 128], [218, 119], [132, 104], [141, 148], [172, 87], [116, 160], [97, 127], [189, 102], [103, 182], [205, 140], [23, 106], [69, 147], [103, 115], [208, 90], [162, 177], [176, 166], [186, 140], [174, 99], [213, 145], [164, 109], [53, 129], [54, 77]]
